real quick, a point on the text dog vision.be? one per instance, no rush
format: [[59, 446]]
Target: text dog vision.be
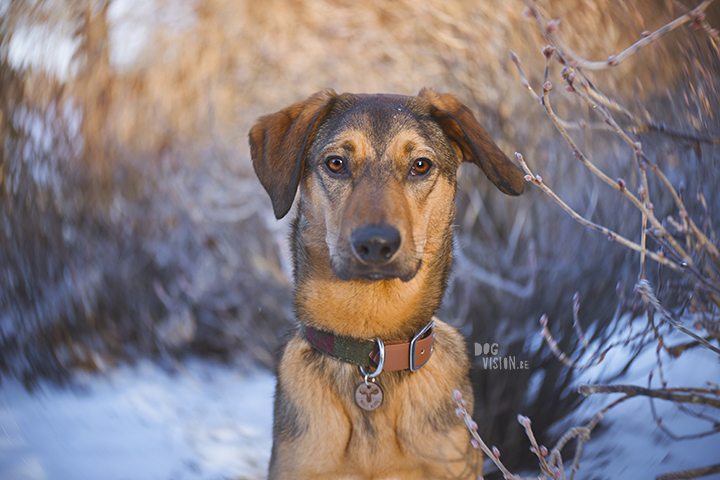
[[498, 363]]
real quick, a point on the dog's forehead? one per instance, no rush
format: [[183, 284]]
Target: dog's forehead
[[382, 117]]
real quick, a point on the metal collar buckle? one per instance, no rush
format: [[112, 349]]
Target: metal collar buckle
[[419, 335]]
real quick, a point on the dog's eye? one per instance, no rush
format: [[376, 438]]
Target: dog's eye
[[335, 164], [420, 167]]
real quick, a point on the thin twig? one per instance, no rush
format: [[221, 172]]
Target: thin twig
[[681, 395], [641, 125], [537, 180], [494, 454], [549, 27], [693, 473], [539, 452], [646, 290], [576, 321]]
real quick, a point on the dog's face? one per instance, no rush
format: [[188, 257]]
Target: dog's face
[[376, 172]]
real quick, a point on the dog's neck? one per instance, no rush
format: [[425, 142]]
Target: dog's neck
[[386, 309]]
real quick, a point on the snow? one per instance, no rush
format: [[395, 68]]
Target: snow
[[207, 421], [46, 47], [52, 46], [628, 444]]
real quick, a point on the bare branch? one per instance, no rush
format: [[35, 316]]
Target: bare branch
[[549, 27], [680, 395], [646, 290], [537, 180], [693, 473]]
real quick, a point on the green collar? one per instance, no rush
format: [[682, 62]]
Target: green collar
[[346, 349]]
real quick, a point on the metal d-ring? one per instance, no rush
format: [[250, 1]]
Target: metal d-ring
[[381, 363]]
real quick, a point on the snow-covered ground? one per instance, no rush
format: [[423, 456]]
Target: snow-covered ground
[[205, 422], [628, 444]]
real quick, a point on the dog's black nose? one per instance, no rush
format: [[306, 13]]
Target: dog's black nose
[[375, 244]]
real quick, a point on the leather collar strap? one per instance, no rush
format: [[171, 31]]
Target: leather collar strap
[[365, 353]]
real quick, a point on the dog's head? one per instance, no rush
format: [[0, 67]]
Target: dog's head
[[377, 171]]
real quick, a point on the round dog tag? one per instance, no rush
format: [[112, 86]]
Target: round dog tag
[[368, 396]]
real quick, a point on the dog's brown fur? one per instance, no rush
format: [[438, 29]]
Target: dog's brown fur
[[319, 431]]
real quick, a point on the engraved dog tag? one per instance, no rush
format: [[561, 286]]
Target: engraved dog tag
[[368, 396]]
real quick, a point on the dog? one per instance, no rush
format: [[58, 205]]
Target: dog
[[366, 379]]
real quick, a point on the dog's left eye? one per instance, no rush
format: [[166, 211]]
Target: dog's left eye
[[335, 164], [420, 167]]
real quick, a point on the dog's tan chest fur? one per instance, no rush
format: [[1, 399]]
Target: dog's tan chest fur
[[400, 440]]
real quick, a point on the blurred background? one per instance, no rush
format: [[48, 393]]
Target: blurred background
[[132, 226]]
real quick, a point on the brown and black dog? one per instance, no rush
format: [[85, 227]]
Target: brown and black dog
[[372, 251]]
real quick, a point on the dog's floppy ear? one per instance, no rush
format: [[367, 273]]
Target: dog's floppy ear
[[278, 143], [477, 147]]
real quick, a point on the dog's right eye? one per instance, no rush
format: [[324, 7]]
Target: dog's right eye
[[335, 165], [420, 167]]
